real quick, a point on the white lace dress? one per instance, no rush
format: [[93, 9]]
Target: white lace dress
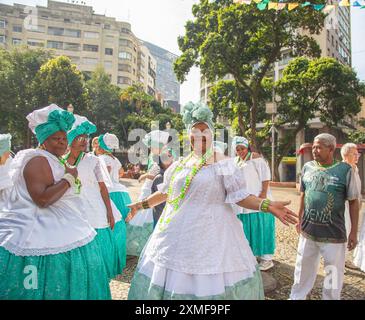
[[201, 251], [28, 230]]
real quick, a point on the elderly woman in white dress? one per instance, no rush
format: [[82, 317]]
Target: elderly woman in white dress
[[5, 160], [47, 248], [198, 249]]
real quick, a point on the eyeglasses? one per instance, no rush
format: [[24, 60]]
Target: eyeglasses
[[82, 139]]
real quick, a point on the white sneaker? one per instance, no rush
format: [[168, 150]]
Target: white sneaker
[[265, 265]]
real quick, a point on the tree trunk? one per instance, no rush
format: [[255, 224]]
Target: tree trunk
[[241, 124], [253, 119]]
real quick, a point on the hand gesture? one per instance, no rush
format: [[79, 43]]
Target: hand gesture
[[352, 241], [111, 220], [135, 207], [280, 211]]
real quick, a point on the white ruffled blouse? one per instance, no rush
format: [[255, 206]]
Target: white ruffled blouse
[[90, 174], [205, 235], [28, 230]]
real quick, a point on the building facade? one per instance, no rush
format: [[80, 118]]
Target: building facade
[[88, 39], [166, 82]]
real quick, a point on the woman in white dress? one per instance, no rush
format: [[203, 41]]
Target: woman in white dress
[[198, 249], [141, 226], [47, 248], [118, 193], [98, 208], [5, 160], [259, 227]]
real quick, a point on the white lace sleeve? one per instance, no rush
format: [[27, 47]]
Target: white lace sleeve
[[163, 187], [234, 181]]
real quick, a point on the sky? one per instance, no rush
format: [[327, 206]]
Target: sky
[[162, 21]]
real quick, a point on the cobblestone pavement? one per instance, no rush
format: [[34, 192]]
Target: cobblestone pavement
[[284, 259]]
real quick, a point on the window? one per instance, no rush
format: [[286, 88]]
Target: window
[[2, 24], [124, 80], [332, 40], [124, 67], [54, 44], [54, 31], [35, 28], [66, 20], [71, 46], [17, 41], [109, 51], [125, 55], [328, 34], [125, 43], [2, 39], [35, 43], [107, 26], [91, 48], [125, 30], [17, 28], [108, 64], [91, 35], [73, 33], [90, 61]]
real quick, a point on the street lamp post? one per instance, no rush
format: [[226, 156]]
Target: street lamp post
[[271, 108]]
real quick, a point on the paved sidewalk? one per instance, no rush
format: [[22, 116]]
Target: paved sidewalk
[[284, 259]]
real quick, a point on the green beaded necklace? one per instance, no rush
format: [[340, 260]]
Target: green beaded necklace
[[64, 162], [176, 202]]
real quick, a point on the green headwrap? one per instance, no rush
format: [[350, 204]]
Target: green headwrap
[[84, 128], [57, 121], [195, 113], [5, 143]]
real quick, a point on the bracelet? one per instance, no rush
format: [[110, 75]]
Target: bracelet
[[69, 178], [145, 204], [264, 205]]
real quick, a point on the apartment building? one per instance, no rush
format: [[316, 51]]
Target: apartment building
[[166, 81], [87, 38]]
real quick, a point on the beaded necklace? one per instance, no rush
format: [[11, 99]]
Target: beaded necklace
[[176, 202], [241, 162], [64, 162]]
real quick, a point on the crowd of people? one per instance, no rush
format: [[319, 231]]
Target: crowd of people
[[203, 226]]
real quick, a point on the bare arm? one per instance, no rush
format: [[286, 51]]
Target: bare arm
[[354, 216], [277, 208], [153, 200], [106, 199], [265, 187], [300, 211], [40, 183]]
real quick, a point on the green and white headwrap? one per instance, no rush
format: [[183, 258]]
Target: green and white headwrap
[[156, 139], [239, 141], [5, 143], [108, 142], [81, 126], [49, 120], [199, 112]]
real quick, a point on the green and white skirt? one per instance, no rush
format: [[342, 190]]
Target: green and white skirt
[[259, 228], [78, 274], [152, 282]]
